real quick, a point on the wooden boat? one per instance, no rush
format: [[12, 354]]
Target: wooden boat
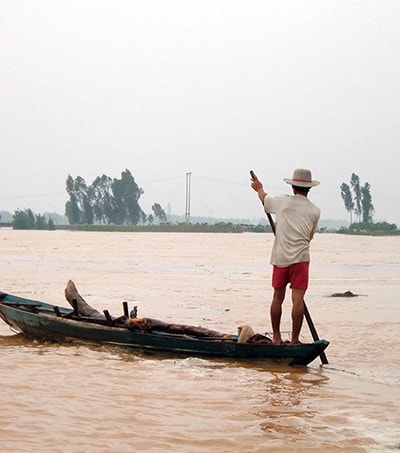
[[39, 320]]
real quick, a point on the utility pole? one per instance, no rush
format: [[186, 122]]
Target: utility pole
[[188, 183]]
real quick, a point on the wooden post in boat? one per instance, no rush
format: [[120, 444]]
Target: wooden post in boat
[[126, 309]]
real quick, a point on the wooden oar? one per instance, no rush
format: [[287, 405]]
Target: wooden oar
[[313, 330]]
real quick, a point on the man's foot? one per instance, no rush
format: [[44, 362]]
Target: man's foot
[[276, 340]]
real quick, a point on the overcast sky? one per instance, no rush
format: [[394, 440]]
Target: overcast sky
[[211, 87]]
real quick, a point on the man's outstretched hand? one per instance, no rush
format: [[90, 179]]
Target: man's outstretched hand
[[255, 182]]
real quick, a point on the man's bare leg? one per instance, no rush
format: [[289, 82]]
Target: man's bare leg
[[276, 313], [297, 313]]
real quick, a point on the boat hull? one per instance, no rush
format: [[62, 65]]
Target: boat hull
[[38, 320]]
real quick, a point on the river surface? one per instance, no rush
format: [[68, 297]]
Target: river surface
[[83, 398]]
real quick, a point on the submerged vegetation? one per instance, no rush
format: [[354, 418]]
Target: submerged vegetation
[[358, 201], [27, 220], [220, 227], [371, 229]]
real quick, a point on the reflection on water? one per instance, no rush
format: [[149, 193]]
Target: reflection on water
[[81, 397], [284, 402]]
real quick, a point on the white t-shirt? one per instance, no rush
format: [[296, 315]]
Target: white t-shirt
[[296, 222]]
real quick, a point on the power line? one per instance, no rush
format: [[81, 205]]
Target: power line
[[225, 181], [38, 195], [161, 179]]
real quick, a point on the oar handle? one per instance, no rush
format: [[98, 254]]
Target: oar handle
[[271, 222]]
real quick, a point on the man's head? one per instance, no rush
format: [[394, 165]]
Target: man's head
[[302, 179], [301, 190]]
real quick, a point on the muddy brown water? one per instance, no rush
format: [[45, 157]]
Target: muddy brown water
[[88, 398]]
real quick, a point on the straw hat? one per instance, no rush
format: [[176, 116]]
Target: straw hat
[[302, 178]]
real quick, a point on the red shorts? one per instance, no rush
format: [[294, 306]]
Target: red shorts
[[295, 274]]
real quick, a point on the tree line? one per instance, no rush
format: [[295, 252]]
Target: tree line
[[113, 201], [27, 220], [108, 201]]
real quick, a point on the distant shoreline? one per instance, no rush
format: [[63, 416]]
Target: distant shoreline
[[179, 228], [199, 228]]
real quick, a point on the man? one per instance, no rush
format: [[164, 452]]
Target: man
[[296, 222]]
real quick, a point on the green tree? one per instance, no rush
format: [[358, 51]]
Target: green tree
[[40, 222], [79, 209], [360, 201], [159, 213], [366, 203], [50, 224], [23, 220], [87, 206], [348, 199], [355, 184], [72, 210], [84, 198], [106, 200], [27, 220], [126, 200], [103, 202]]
